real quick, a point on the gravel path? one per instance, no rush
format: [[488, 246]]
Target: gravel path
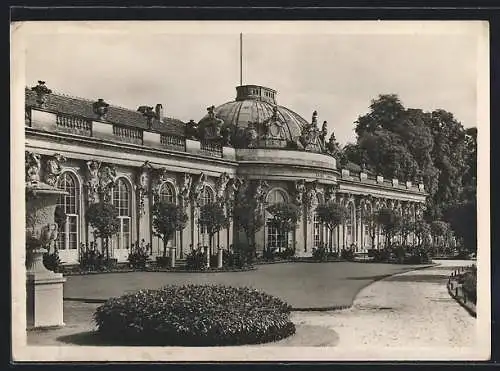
[[411, 309]]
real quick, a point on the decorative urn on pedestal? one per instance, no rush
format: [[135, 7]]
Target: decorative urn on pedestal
[[44, 288]]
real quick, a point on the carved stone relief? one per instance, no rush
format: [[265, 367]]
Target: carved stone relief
[[53, 169]]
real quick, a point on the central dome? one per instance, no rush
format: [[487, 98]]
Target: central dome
[[255, 108]]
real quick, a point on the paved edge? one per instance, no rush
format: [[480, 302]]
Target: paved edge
[[468, 309], [343, 307]]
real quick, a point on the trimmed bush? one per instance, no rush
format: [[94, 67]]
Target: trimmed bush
[[320, 254], [194, 315], [196, 260], [139, 255]]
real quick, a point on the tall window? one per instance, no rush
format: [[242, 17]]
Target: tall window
[[167, 193], [317, 231], [350, 225], [275, 238], [68, 237], [207, 197], [121, 200]]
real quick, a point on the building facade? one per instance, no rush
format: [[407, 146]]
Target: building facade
[[134, 158]]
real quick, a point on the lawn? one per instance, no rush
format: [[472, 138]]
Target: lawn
[[303, 285]]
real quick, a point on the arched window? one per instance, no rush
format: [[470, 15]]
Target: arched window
[[167, 193], [122, 201], [276, 240], [68, 238], [207, 196]]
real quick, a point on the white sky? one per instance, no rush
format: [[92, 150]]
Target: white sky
[[336, 74]]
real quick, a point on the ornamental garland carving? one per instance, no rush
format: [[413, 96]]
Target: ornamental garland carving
[[32, 167], [143, 183], [232, 190], [53, 169]]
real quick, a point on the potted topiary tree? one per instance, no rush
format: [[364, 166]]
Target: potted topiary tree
[[390, 223], [213, 218], [285, 217], [332, 215], [103, 217], [167, 219], [245, 218]]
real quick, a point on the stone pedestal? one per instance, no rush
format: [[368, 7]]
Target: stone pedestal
[[172, 257], [44, 295], [44, 288], [219, 257]]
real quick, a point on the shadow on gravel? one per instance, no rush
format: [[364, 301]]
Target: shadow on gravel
[[368, 278], [431, 278]]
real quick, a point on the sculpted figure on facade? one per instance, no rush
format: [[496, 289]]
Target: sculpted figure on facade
[[93, 167], [185, 191], [300, 189], [330, 193], [53, 169], [198, 187], [251, 135], [32, 164], [107, 177], [260, 193], [143, 179], [311, 198], [220, 186]]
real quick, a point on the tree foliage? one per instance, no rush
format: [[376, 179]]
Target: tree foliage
[[213, 218], [390, 222], [331, 214], [168, 218], [285, 216], [103, 217], [411, 144]]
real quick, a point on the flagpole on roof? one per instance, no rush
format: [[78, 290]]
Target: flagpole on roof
[[241, 59]]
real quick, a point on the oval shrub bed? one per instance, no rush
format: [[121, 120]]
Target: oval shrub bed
[[195, 315]]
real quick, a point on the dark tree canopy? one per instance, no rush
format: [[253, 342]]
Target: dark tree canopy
[[331, 214], [168, 218], [415, 145]]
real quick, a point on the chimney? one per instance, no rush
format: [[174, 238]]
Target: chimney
[[159, 111]]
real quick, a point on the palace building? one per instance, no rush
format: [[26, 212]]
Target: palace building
[[135, 157]]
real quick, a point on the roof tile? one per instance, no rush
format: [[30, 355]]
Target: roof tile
[[116, 115]]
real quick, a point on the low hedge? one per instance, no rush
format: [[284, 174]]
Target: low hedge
[[194, 315]]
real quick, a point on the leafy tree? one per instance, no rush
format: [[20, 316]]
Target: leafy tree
[[422, 231], [168, 218], [285, 216], [103, 217], [331, 214], [407, 226], [245, 218], [439, 230], [390, 223], [371, 221], [213, 218]]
